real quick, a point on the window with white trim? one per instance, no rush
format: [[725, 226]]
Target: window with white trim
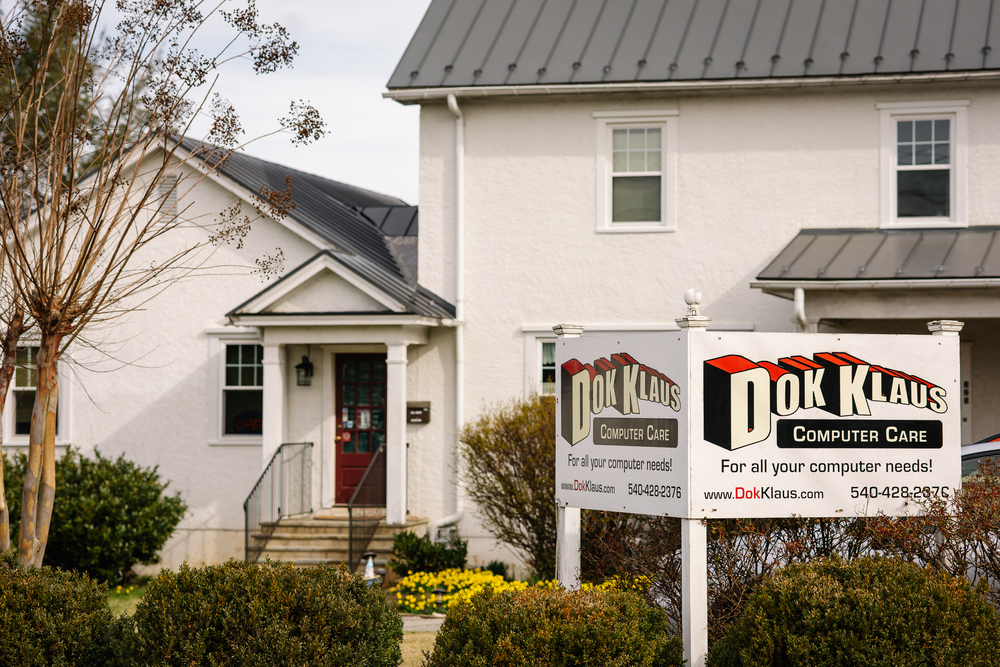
[[23, 390], [635, 171], [243, 389], [548, 369], [923, 164]]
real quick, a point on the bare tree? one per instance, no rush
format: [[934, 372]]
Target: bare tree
[[95, 154]]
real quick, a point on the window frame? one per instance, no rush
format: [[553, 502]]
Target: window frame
[[607, 122], [64, 407], [218, 341], [892, 113]]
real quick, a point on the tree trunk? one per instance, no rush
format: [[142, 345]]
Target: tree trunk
[[40, 476], [14, 328]]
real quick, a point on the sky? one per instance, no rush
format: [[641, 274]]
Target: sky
[[348, 50]]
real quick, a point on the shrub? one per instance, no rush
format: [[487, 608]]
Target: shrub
[[499, 568], [110, 514], [415, 553], [509, 454], [237, 614], [51, 617], [876, 612], [555, 627]]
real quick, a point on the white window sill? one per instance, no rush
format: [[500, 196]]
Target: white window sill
[[237, 442], [925, 223], [635, 229]]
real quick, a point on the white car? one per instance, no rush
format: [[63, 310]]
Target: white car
[[977, 451]]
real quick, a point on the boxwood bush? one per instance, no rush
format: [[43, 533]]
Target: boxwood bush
[[243, 615], [109, 514], [555, 627], [53, 618], [875, 612], [417, 553]]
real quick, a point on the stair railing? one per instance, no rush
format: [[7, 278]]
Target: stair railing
[[366, 509], [284, 489]]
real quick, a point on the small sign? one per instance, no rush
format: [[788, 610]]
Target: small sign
[[418, 412]]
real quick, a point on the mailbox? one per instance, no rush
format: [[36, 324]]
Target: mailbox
[[418, 412]]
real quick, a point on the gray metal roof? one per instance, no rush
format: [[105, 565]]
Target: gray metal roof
[[539, 42], [328, 208], [393, 220], [878, 254], [417, 300]]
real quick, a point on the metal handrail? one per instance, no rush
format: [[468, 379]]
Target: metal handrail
[[284, 489], [366, 509]]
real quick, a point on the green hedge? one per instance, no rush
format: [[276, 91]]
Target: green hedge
[[248, 615], [417, 553], [873, 612], [109, 514], [53, 618], [554, 627]]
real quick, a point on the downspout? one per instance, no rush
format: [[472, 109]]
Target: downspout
[[459, 317], [800, 309]]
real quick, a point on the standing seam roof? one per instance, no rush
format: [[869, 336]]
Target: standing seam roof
[[463, 43]]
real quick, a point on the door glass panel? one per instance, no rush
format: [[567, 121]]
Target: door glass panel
[[349, 394], [364, 443], [364, 394], [347, 442], [378, 373], [378, 394], [350, 372], [364, 371], [379, 439], [364, 418], [378, 418]]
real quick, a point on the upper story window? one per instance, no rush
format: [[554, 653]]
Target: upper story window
[[635, 171], [243, 390], [923, 164]]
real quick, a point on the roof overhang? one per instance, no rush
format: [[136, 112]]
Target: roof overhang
[[417, 95], [335, 320], [786, 288]]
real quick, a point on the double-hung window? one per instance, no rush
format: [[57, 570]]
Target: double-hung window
[[548, 368], [24, 389], [243, 390], [923, 164], [635, 171]]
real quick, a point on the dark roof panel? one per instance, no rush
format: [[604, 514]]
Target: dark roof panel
[[327, 208], [878, 254], [524, 42]]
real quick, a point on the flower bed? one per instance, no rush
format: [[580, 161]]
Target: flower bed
[[415, 592]]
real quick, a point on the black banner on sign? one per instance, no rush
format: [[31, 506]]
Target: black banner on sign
[[633, 432], [859, 434]]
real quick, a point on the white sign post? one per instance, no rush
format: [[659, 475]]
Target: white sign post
[[697, 425]]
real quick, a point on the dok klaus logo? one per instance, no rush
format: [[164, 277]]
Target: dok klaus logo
[[619, 382], [741, 395]]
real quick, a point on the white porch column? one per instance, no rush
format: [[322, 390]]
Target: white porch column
[[395, 431], [273, 413]]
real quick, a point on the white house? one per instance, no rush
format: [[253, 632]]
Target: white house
[[808, 165], [816, 165]]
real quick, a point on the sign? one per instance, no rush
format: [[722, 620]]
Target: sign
[[726, 425]]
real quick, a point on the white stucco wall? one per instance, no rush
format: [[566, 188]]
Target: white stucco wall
[[753, 168]]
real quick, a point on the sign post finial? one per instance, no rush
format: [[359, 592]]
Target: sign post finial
[[694, 320]]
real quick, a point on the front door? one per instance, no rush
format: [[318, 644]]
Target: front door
[[360, 415]]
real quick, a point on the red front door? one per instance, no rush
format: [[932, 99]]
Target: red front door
[[360, 417]]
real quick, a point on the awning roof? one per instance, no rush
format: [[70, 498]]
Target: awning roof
[[865, 255]]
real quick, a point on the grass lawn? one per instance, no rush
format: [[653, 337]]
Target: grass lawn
[[414, 645], [123, 600]]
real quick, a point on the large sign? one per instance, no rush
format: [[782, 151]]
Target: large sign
[[729, 425]]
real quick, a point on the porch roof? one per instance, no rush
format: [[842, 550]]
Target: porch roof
[[405, 298], [881, 258]]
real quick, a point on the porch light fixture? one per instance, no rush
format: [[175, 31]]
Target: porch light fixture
[[304, 372]]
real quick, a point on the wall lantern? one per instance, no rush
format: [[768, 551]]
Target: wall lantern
[[304, 372]]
